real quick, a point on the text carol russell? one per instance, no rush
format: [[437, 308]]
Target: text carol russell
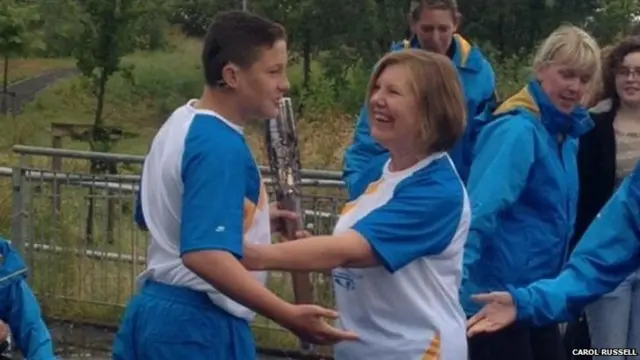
[[605, 352]]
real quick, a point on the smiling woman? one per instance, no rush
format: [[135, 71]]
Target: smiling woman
[[397, 247]]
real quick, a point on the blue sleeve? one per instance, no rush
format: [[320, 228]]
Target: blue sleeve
[[360, 152], [421, 219], [22, 314], [503, 156], [214, 172], [608, 252]]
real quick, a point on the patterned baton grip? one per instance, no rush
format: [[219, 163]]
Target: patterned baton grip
[[284, 162]]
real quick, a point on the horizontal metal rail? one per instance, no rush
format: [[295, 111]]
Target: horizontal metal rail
[[137, 159], [129, 182], [80, 180]]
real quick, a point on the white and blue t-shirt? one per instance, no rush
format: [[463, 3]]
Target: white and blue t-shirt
[[416, 222], [200, 190]]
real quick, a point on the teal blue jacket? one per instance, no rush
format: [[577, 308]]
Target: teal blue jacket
[[608, 253], [19, 308], [523, 189], [479, 85]]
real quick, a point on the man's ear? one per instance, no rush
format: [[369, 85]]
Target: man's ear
[[230, 75]]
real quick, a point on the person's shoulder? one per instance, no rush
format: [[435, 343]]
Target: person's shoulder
[[400, 44], [370, 174], [515, 122], [210, 133], [437, 180]]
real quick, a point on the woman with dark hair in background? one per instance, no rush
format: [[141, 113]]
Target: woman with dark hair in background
[[607, 154]]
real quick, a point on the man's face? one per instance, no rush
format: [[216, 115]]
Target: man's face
[[265, 82], [434, 29]]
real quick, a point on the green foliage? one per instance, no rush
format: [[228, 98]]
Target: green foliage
[[60, 26], [194, 16], [17, 27], [334, 43]]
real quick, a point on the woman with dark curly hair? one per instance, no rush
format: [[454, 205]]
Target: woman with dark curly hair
[[607, 154]]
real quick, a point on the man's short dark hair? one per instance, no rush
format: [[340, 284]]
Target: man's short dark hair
[[236, 37]]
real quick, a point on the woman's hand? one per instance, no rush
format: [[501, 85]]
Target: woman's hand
[[498, 312]]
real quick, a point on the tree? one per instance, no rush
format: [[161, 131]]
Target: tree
[[107, 34], [16, 24]]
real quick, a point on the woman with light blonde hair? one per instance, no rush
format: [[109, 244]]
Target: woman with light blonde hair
[[396, 251], [523, 187]]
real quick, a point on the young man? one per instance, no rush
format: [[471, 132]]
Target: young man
[[201, 195], [19, 310]]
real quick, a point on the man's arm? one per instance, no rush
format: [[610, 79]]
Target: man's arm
[[499, 172], [607, 253], [214, 175], [359, 153]]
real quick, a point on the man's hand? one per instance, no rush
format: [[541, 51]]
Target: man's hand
[[498, 313], [309, 324], [278, 217]]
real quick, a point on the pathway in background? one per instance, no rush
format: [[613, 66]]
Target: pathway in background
[[25, 90]]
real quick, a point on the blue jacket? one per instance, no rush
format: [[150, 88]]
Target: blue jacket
[[523, 188], [478, 81], [19, 308], [608, 252]]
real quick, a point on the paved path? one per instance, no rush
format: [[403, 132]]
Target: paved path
[[25, 90]]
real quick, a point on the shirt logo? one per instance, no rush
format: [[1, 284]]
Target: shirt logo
[[220, 229], [346, 279]]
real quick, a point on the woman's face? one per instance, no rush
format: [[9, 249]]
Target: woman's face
[[394, 113], [435, 29], [628, 79], [565, 85]]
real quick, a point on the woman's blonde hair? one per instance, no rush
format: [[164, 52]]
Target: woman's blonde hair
[[436, 86], [572, 46]]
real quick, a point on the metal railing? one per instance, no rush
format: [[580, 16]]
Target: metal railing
[[76, 232]]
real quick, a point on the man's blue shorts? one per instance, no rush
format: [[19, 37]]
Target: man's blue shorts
[[175, 323]]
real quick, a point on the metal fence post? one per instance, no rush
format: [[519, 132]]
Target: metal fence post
[[19, 211]]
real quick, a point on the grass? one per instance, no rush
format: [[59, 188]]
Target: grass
[[20, 69]]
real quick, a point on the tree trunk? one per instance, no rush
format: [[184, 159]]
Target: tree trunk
[[5, 84]]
